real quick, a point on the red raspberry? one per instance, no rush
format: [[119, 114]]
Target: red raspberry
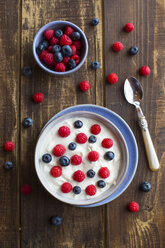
[[104, 172], [77, 44], [59, 150], [145, 70], [43, 54], [49, 49], [84, 85], [26, 189], [79, 176], [48, 58], [129, 27], [95, 129], [117, 46], [107, 143], [81, 138], [76, 58], [90, 190], [65, 60], [38, 97], [9, 146], [76, 159], [49, 33], [93, 156], [73, 49], [68, 30], [112, 78], [133, 207], [66, 187], [64, 131], [65, 40], [56, 171], [78, 53], [60, 67], [54, 41]]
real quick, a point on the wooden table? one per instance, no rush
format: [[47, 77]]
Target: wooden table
[[24, 220]]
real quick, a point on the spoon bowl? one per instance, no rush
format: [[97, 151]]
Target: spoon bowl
[[133, 91]]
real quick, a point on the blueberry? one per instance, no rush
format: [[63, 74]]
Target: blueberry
[[42, 46], [91, 173], [92, 139], [72, 146], [56, 48], [101, 184], [133, 50], [8, 165], [78, 124], [95, 21], [146, 187], [56, 220], [67, 51], [46, 158], [64, 161], [75, 36], [109, 156], [71, 64], [95, 65], [58, 33], [58, 57], [27, 122], [77, 190], [27, 71]]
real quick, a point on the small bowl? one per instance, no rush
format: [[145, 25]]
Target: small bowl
[[58, 25]]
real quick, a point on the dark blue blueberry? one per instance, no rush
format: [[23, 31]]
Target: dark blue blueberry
[[27, 71], [109, 156], [91, 173], [78, 124], [92, 139], [71, 64], [58, 33], [56, 220], [72, 146], [77, 190], [75, 36], [58, 57], [133, 50], [64, 161], [101, 184], [56, 48], [42, 46], [67, 51], [95, 21], [27, 122], [46, 158], [95, 65], [8, 165], [146, 186]]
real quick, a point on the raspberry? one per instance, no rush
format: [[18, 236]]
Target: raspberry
[[48, 58], [73, 49], [133, 207], [65, 40], [59, 150], [76, 159], [90, 190], [79, 176], [112, 78], [107, 143], [56, 171], [81, 138], [145, 70], [49, 34], [66, 187], [104, 172], [78, 53], [54, 41], [129, 27], [84, 85], [64, 131], [49, 48], [77, 44], [42, 55], [38, 97], [117, 46], [26, 189], [95, 129], [93, 156], [65, 60], [60, 67], [76, 58], [9, 146], [68, 30]]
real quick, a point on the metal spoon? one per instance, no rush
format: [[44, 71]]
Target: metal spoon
[[133, 92]]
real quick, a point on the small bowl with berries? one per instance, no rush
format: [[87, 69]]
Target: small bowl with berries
[[60, 47]]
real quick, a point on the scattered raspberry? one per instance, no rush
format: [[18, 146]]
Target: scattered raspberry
[[56, 171], [76, 58], [133, 207], [90, 190], [129, 27], [93, 156], [76, 159], [42, 55], [68, 30], [59, 150], [48, 58], [84, 85], [66, 187], [54, 41], [73, 49], [112, 78], [64, 131], [60, 67], [49, 48], [38, 97], [65, 40], [104, 172], [77, 44], [95, 129], [117, 46], [107, 143], [79, 176], [49, 34], [26, 189], [65, 60], [145, 70], [81, 138], [9, 146]]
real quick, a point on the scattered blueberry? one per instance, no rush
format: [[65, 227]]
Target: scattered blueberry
[[78, 124], [8, 165], [56, 220], [71, 64], [72, 146], [27, 71], [109, 156], [92, 139], [77, 190], [59, 33], [75, 36], [42, 46], [91, 173], [95, 21], [64, 161], [46, 158], [27, 122], [146, 186], [133, 50], [67, 51], [101, 184], [58, 57], [56, 48], [95, 65]]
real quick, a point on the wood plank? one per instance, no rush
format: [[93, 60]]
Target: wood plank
[[146, 228], [81, 227]]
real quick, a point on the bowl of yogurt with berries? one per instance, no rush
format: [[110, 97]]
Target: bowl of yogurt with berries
[[81, 158]]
